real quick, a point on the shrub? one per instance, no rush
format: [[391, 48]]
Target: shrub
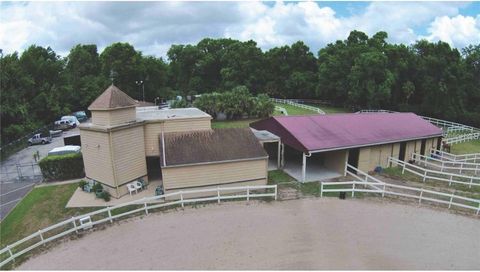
[[106, 196], [82, 183], [62, 167], [97, 186]]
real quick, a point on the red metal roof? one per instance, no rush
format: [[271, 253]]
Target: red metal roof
[[335, 131]]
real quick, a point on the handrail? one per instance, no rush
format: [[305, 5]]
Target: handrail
[[146, 202], [387, 189], [450, 176], [462, 138]]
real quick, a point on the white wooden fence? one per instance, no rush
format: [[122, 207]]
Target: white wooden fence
[[444, 165], [369, 184], [447, 124], [442, 155], [373, 111], [462, 138], [86, 221], [295, 104], [436, 175]]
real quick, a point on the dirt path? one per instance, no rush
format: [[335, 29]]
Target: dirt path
[[299, 234]]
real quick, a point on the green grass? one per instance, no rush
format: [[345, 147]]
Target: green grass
[[233, 123], [466, 147], [278, 176], [292, 110], [42, 207], [331, 109]]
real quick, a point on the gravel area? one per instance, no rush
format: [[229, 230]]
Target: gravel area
[[314, 233]]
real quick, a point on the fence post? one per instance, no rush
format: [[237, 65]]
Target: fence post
[[181, 199], [424, 175], [40, 234], [248, 193], [146, 208], [110, 214], [74, 224], [353, 190], [450, 182], [403, 170], [451, 200], [11, 254], [383, 193], [478, 210], [275, 191], [321, 189], [471, 181], [218, 194], [420, 199]]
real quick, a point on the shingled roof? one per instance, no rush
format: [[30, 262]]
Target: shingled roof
[[112, 98], [209, 146]]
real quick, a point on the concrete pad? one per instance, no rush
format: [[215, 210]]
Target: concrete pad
[[82, 199], [314, 171]]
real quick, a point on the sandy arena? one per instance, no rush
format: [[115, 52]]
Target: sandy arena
[[300, 234]]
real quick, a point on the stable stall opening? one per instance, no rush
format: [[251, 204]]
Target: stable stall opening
[[273, 154], [319, 166], [154, 170]]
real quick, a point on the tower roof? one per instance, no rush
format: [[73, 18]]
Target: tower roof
[[112, 98]]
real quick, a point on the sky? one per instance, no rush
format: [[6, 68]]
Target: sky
[[152, 27]]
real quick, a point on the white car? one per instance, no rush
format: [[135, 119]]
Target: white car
[[68, 149], [72, 119]]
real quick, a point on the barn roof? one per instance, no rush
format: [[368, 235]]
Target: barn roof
[[209, 146], [112, 98], [308, 133]]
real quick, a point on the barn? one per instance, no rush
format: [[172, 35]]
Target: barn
[[316, 147]]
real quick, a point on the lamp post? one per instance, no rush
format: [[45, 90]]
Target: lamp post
[[156, 98], [140, 82]]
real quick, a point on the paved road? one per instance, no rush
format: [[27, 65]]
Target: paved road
[[12, 189]]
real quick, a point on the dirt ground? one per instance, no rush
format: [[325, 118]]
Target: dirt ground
[[313, 233]]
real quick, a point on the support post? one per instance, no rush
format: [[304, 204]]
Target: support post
[[321, 189], [283, 156], [403, 170], [40, 234], [304, 166], [451, 200], [146, 208], [383, 192], [181, 199], [279, 151], [248, 193], [218, 194], [420, 199], [353, 190], [276, 192], [110, 215], [74, 224]]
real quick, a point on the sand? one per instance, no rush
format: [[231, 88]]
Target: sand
[[300, 234]]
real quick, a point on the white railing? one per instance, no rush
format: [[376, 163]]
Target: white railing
[[86, 221], [370, 111], [462, 138], [435, 175], [295, 104], [448, 124], [384, 189], [445, 165], [442, 155]]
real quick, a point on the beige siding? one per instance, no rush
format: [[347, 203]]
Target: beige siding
[[187, 125], [122, 189], [364, 159], [410, 149], [213, 174], [153, 131], [129, 154], [101, 118], [96, 156], [122, 116], [396, 150]]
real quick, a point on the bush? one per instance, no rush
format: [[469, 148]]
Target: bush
[[62, 167], [97, 186], [81, 184], [106, 196]]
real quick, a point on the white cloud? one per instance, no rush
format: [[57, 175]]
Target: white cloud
[[153, 26], [457, 31]]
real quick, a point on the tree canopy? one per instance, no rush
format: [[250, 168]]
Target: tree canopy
[[430, 78]]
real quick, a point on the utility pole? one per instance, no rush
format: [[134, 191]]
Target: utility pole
[[140, 82]]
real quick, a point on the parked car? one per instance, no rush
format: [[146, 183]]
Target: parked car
[[81, 116], [40, 139], [62, 125], [68, 149], [73, 120]]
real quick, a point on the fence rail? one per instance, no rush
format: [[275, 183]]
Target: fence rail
[[86, 221], [294, 103], [472, 158], [435, 175], [20, 172], [379, 187], [372, 111], [445, 165], [462, 138]]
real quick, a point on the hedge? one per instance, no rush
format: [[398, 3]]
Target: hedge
[[62, 167]]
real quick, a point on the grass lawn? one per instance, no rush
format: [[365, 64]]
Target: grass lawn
[[330, 109], [42, 207], [466, 148], [292, 110], [233, 123]]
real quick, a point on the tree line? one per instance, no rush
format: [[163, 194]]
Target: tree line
[[434, 79]]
